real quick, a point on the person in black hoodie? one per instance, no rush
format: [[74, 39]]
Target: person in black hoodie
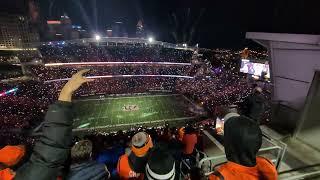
[[242, 141], [254, 105], [52, 149]]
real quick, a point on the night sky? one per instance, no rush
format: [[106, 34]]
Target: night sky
[[220, 23]]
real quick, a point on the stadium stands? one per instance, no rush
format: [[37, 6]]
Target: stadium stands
[[126, 71]]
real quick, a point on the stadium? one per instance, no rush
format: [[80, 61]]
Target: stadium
[[154, 77], [159, 90], [137, 86]]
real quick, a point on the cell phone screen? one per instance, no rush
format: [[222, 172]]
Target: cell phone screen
[[219, 125]]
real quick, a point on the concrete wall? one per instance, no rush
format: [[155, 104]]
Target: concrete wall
[[293, 68], [294, 60]]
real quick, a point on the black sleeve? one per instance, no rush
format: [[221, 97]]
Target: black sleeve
[[53, 147]]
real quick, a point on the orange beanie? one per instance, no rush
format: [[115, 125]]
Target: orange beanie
[[11, 155], [141, 143]]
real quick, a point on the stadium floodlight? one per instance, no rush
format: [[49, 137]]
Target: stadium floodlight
[[150, 39], [97, 37]]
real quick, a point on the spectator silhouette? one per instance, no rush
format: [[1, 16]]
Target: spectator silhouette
[[82, 165], [242, 141]]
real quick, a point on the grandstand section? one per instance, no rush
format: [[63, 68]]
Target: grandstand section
[[114, 53], [123, 111]]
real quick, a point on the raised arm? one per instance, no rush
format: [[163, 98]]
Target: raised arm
[[53, 147]]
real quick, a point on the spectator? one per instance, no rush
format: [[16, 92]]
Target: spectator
[[242, 141], [160, 166], [110, 155], [10, 156], [189, 140], [132, 164], [82, 166], [181, 133], [53, 147], [254, 105]]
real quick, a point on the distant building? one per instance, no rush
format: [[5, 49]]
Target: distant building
[[140, 33], [54, 30], [118, 29], [63, 29], [16, 32], [84, 33], [75, 33], [66, 27], [78, 33], [109, 32]]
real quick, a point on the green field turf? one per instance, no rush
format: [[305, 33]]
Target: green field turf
[[133, 110]]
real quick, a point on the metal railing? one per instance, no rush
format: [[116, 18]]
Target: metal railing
[[214, 161], [186, 166], [309, 171]]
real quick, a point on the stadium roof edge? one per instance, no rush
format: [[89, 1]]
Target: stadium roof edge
[[263, 38], [122, 40]]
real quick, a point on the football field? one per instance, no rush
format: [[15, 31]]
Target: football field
[[111, 112]]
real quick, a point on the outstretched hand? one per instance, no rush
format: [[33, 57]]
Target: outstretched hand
[[76, 81], [73, 84]]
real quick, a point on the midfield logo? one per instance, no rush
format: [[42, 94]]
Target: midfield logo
[[130, 107]]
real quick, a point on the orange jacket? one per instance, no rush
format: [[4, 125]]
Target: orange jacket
[[125, 171], [6, 174], [11, 155], [263, 170]]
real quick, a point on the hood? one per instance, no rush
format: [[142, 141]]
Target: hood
[[242, 140], [258, 98]]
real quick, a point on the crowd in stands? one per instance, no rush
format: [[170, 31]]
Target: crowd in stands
[[153, 154], [51, 73], [18, 56], [258, 55], [144, 153], [8, 71], [104, 53], [212, 85], [218, 90], [9, 59]]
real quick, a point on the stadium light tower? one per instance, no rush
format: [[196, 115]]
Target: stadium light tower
[[97, 37], [150, 39]]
